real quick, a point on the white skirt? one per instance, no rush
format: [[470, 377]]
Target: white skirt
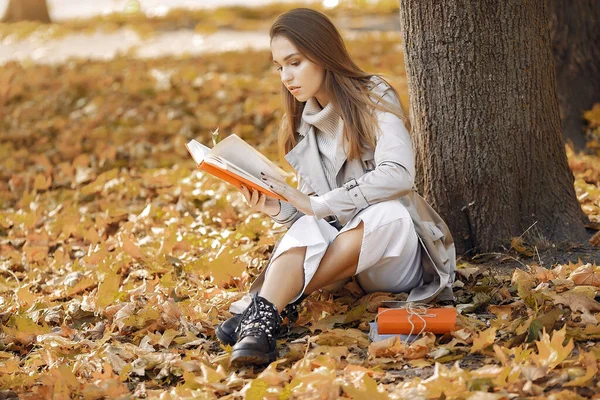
[[390, 255]]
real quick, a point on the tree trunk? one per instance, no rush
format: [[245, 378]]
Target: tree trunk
[[486, 125], [575, 32], [26, 10]]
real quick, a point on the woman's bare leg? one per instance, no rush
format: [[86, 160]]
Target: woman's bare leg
[[340, 260], [286, 274], [285, 278]]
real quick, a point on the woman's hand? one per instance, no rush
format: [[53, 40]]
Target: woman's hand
[[291, 194], [259, 202]]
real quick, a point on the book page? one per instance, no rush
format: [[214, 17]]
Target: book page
[[224, 164], [246, 158], [197, 150]]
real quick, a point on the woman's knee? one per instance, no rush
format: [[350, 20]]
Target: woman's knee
[[292, 255], [386, 211], [288, 260]]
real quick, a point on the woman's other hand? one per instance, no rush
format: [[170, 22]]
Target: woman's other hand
[[291, 194], [259, 202]]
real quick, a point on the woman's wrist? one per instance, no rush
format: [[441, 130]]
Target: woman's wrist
[[274, 209]]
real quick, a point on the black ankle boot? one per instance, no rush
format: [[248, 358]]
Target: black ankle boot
[[257, 333], [226, 331]]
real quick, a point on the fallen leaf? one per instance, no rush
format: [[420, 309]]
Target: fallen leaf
[[108, 290], [130, 247], [591, 369], [519, 245], [587, 274], [365, 389], [483, 340], [467, 272], [578, 302], [551, 352], [595, 240], [342, 337], [524, 281], [545, 321], [327, 323]]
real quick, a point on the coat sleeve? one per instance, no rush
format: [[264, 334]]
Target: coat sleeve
[[393, 176], [288, 214]]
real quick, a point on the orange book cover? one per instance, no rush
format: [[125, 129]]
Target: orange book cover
[[236, 162], [398, 320], [235, 180]]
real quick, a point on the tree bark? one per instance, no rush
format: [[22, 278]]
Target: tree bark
[[486, 126], [26, 10], [575, 33]]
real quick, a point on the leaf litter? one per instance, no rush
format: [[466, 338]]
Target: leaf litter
[[118, 258]]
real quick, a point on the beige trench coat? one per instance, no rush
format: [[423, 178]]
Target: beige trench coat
[[368, 182]]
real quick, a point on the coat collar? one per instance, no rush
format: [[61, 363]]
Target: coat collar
[[341, 144], [305, 159]]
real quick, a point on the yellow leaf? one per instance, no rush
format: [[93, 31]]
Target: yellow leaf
[[520, 355], [167, 337], [587, 274], [91, 235], [587, 291], [518, 244], [552, 352], [10, 366], [578, 302], [25, 297], [388, 348], [593, 115], [125, 372], [272, 376], [25, 330], [327, 323], [210, 375], [67, 376], [421, 347], [591, 369], [226, 265], [108, 290], [79, 287], [367, 390], [130, 247], [503, 314], [96, 253], [483, 340], [42, 182], [343, 337], [35, 253], [257, 390], [420, 363], [524, 281], [337, 352]]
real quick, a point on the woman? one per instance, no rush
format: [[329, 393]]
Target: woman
[[355, 211]]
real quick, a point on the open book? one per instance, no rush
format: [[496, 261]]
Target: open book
[[236, 162]]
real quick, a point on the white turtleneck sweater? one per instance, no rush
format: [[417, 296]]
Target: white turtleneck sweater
[[328, 126]]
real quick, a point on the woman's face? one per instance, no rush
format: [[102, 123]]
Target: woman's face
[[302, 77]]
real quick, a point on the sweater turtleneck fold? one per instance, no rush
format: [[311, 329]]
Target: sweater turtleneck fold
[[326, 120], [328, 130]]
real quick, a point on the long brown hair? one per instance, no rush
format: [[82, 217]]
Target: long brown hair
[[315, 36]]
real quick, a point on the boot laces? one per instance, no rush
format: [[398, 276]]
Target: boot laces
[[291, 312], [260, 317]]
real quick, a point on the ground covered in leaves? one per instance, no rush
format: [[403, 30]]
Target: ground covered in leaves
[[118, 258]]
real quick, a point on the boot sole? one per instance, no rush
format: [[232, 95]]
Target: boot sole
[[244, 357], [225, 338]]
